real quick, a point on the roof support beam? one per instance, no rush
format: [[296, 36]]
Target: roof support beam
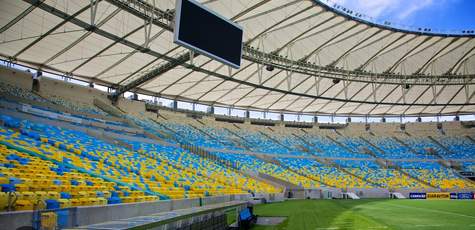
[[461, 108], [417, 98], [337, 60], [318, 49], [21, 16], [463, 64], [396, 64], [422, 68], [342, 90], [314, 99], [382, 100], [353, 96], [94, 4], [315, 85], [291, 41], [51, 31], [367, 97], [460, 60], [145, 45], [270, 11], [106, 48], [84, 36], [283, 95], [362, 66]]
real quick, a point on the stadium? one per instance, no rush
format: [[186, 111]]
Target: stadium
[[220, 114]]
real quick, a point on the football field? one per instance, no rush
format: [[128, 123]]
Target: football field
[[371, 214]]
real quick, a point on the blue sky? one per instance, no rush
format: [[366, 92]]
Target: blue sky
[[435, 14]]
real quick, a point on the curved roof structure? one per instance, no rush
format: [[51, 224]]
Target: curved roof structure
[[325, 61]]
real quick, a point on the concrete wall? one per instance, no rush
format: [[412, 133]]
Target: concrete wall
[[70, 91], [87, 215], [15, 77], [370, 193]]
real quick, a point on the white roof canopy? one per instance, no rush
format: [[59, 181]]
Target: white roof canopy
[[101, 41]]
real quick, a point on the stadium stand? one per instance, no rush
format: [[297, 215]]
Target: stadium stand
[[101, 126]]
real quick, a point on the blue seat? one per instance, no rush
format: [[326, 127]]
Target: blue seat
[[52, 204]]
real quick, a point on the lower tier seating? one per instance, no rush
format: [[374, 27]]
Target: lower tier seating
[[251, 163]]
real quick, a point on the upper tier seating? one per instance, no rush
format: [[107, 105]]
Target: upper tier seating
[[391, 149], [189, 134], [330, 148], [75, 106], [258, 142], [11, 90], [460, 147], [421, 146]]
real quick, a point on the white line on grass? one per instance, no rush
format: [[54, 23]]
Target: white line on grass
[[431, 210], [428, 225], [335, 228]]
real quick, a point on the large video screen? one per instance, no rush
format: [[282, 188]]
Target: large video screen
[[202, 30]]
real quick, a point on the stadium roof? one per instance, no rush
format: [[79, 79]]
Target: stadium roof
[[128, 44]]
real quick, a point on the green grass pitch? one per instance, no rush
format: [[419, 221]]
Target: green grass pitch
[[371, 214]]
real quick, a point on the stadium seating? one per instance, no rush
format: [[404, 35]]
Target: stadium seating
[[421, 146], [330, 148], [251, 163], [189, 134], [50, 166], [328, 175], [391, 149], [75, 106], [435, 174], [38, 182], [209, 170], [460, 147], [11, 90], [165, 174]]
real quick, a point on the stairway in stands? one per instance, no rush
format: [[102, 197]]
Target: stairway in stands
[[306, 142]]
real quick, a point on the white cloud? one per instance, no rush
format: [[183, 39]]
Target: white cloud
[[395, 9], [414, 7]]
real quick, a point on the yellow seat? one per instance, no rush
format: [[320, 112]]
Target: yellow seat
[[27, 196], [53, 195], [84, 201], [3, 200], [41, 195], [23, 205], [4, 180], [22, 187], [101, 201], [75, 202], [64, 203], [127, 199]]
